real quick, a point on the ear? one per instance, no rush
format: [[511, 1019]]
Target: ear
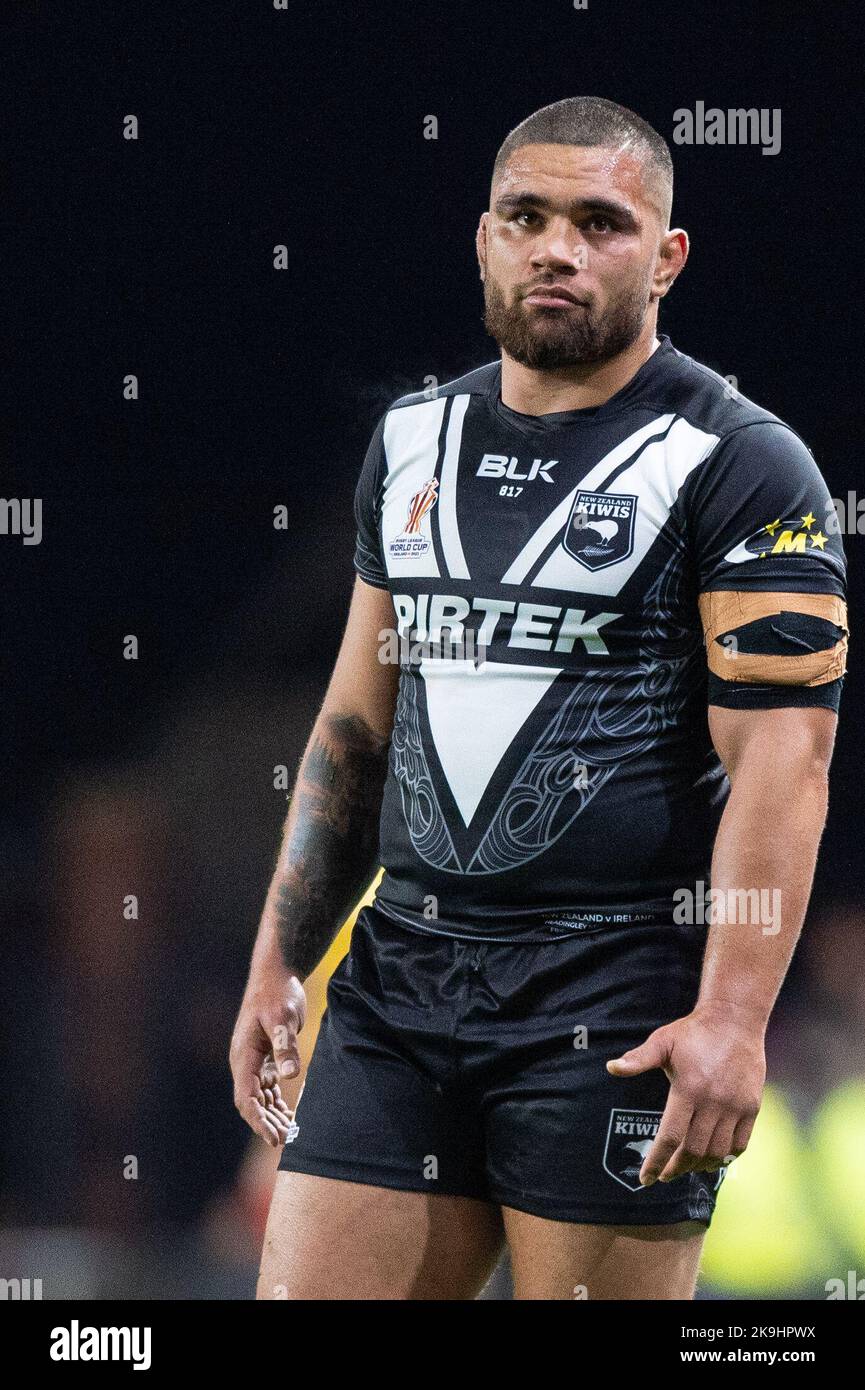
[[481, 243], [672, 255]]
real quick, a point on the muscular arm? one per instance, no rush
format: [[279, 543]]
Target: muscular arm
[[778, 762], [327, 858], [330, 841], [714, 1058]]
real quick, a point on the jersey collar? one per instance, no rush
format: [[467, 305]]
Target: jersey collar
[[566, 419]]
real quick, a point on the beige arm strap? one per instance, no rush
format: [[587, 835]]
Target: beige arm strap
[[724, 611]]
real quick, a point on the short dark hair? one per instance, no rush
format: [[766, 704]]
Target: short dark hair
[[596, 121]]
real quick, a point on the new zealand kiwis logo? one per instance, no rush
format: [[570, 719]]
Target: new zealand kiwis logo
[[600, 529]]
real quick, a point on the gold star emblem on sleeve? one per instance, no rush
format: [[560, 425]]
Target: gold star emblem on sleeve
[[808, 521], [773, 526], [818, 541]]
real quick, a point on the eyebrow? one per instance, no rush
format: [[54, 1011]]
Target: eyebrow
[[608, 207]]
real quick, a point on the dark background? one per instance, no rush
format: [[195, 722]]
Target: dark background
[[261, 387]]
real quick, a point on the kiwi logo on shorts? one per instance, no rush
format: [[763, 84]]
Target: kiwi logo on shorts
[[630, 1135]]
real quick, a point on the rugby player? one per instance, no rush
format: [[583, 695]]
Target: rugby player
[[619, 637]]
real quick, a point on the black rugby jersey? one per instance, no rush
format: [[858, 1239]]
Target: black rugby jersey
[[551, 767]]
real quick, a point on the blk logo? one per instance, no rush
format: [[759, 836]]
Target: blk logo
[[502, 466]]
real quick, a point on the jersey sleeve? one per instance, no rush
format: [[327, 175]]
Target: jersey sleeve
[[770, 572], [368, 559]]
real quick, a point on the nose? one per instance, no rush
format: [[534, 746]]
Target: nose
[[563, 247]]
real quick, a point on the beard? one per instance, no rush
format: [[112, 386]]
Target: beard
[[549, 338]]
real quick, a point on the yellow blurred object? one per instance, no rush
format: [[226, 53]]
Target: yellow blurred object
[[765, 1237], [255, 1182], [316, 985], [838, 1175]]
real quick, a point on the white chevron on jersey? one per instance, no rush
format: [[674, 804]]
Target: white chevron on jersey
[[411, 436], [452, 550], [558, 518], [474, 715], [655, 478]]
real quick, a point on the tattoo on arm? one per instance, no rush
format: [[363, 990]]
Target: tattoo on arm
[[330, 851]]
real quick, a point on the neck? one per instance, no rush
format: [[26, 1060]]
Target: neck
[[540, 392]]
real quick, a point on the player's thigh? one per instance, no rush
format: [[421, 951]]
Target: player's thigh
[[564, 1259], [329, 1239]]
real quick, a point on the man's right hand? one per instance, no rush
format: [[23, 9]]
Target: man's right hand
[[264, 1051]]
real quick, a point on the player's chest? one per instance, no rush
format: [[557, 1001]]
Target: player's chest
[[467, 500]]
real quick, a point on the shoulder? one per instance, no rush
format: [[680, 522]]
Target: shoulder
[[476, 382], [749, 439], [714, 402]]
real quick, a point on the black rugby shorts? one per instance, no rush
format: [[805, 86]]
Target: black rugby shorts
[[478, 1069]]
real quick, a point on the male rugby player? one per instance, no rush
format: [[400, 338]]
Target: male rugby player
[[592, 666]]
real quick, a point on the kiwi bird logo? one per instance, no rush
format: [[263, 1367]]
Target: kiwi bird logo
[[604, 530], [630, 1136], [600, 529], [641, 1147]]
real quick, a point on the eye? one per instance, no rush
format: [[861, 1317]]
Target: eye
[[600, 223], [529, 213]]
